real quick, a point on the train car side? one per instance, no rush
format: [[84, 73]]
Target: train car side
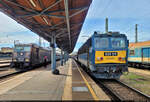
[[84, 55], [139, 56]]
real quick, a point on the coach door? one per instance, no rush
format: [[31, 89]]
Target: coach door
[[145, 55]]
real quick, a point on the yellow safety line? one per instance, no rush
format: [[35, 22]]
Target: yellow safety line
[[67, 95], [87, 84]]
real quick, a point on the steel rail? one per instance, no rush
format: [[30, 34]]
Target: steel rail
[[116, 96], [133, 89], [109, 91], [10, 74], [5, 62], [4, 66]]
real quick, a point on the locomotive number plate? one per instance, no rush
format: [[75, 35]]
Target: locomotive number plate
[[110, 53]]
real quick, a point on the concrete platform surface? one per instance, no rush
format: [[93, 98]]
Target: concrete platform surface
[[40, 84], [34, 85]]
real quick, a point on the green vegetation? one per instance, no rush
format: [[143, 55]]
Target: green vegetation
[[139, 82]]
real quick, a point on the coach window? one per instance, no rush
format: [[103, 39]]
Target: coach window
[[132, 52]]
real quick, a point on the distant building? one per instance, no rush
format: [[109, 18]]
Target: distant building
[[6, 50]]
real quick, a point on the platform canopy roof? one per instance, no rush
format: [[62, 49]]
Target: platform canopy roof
[[62, 18]]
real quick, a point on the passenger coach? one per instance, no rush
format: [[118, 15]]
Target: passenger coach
[[105, 55], [139, 54]]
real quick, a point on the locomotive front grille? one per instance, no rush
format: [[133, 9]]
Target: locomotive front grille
[[21, 59]]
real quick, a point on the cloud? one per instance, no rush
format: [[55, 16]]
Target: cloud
[[9, 25], [23, 37], [11, 30]]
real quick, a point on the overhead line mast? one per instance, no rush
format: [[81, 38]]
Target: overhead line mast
[[136, 33], [106, 25]]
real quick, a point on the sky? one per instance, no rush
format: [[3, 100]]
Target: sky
[[122, 15], [11, 31]]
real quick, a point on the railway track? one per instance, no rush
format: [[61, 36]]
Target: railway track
[[122, 92], [2, 77], [119, 91], [10, 75], [4, 62], [4, 66]]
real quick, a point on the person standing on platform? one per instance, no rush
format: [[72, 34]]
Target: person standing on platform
[[45, 61]]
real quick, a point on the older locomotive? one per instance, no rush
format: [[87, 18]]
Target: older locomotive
[[26, 55], [105, 55]]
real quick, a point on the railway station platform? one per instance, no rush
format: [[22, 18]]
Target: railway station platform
[[41, 85]]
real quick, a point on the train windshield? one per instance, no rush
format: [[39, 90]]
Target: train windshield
[[22, 48], [101, 42], [111, 41], [118, 42]]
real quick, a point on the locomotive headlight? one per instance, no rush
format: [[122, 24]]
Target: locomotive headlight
[[121, 58], [27, 60], [98, 58], [21, 53]]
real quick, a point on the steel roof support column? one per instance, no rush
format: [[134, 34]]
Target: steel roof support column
[[53, 55], [68, 20]]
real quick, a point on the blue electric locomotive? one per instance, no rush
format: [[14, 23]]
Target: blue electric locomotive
[[105, 55]]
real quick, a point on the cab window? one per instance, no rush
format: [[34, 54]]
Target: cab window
[[118, 42], [101, 42], [22, 48]]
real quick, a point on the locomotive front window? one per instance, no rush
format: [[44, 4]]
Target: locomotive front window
[[22, 48], [27, 48], [101, 42], [118, 42]]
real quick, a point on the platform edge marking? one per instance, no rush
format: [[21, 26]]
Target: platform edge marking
[[67, 95], [88, 85]]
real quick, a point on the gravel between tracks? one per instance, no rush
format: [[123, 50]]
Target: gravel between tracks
[[124, 92]]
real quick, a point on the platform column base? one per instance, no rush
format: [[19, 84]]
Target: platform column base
[[56, 72]]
